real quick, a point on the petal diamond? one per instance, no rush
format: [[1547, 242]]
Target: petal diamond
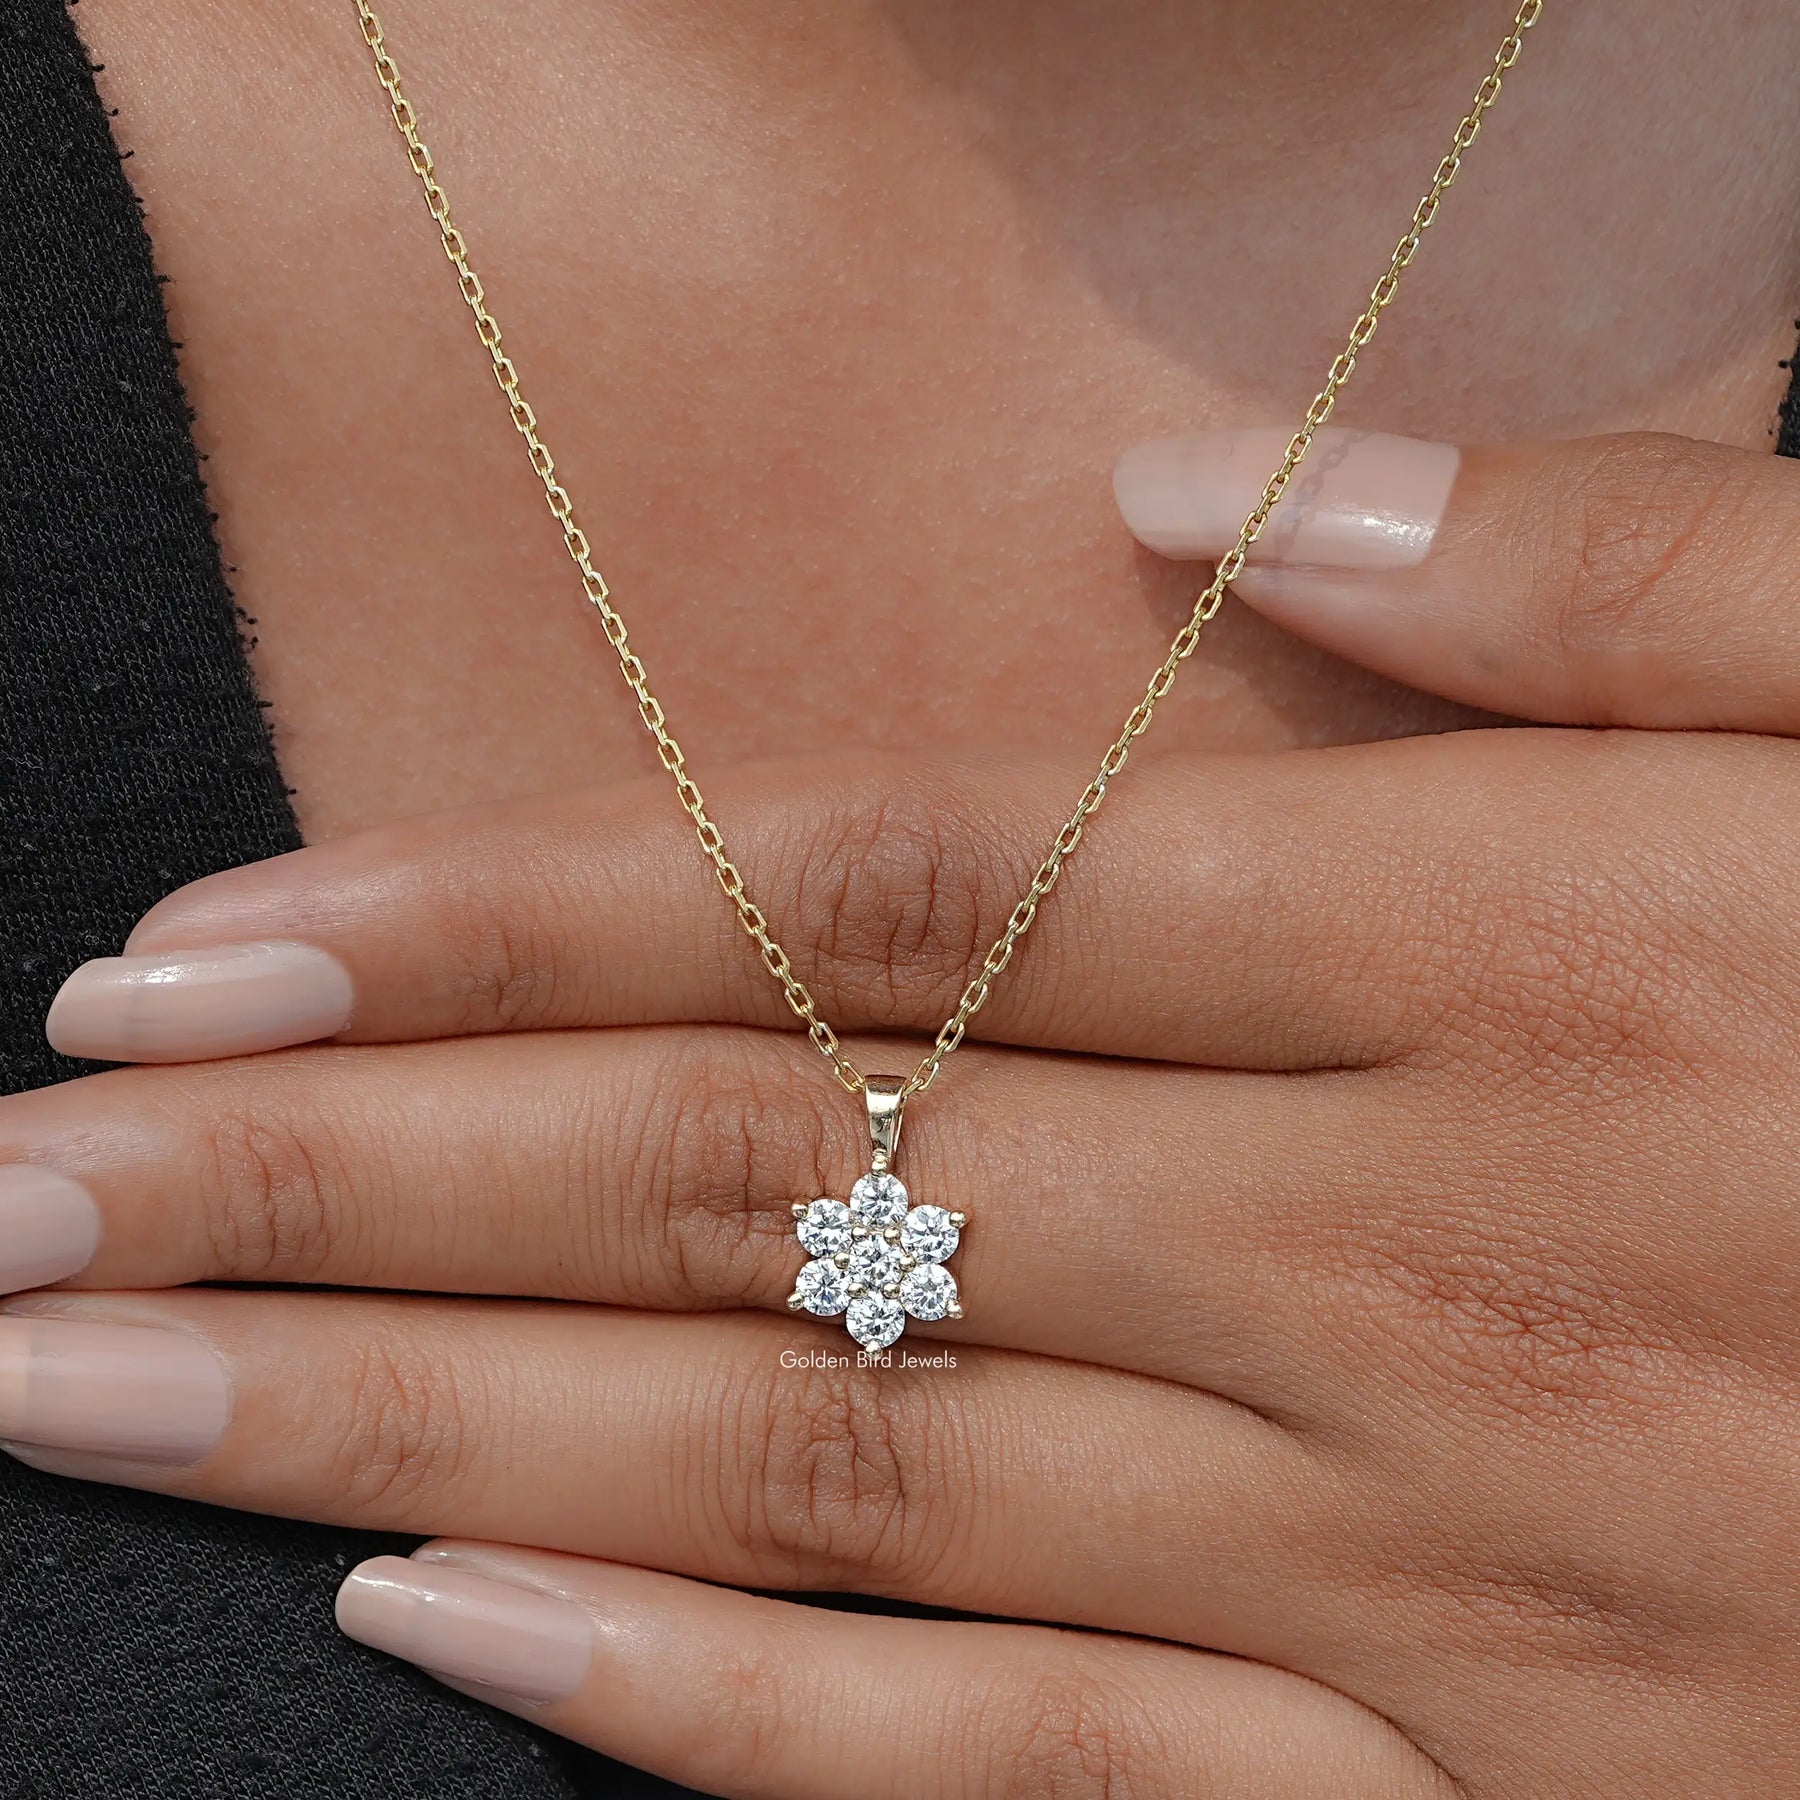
[[875, 1321], [821, 1288], [824, 1228], [879, 1201], [928, 1292], [929, 1235]]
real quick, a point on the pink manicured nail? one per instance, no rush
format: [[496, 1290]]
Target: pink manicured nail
[[49, 1227], [1360, 500], [135, 1392], [469, 1627], [188, 1005]]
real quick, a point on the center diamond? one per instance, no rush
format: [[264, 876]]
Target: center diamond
[[877, 1264]]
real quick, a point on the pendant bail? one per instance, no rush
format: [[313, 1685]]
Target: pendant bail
[[885, 1096]]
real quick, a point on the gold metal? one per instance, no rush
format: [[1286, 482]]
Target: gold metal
[[755, 922], [885, 1096]]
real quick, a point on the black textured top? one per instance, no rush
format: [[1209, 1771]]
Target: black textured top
[[153, 1647]]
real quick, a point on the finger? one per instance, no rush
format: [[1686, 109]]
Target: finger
[[1633, 580], [1333, 909], [739, 1695], [996, 1486], [1190, 928], [659, 1167]]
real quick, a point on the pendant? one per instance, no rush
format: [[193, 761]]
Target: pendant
[[877, 1259]]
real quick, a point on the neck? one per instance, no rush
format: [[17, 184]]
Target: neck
[[837, 315]]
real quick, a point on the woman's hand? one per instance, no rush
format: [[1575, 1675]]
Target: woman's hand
[[1395, 1293]]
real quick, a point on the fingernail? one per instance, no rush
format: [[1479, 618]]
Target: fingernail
[[188, 1005], [49, 1227], [1360, 500], [134, 1392], [469, 1627], [75, 1465]]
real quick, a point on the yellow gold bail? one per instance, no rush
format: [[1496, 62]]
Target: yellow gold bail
[[885, 1096]]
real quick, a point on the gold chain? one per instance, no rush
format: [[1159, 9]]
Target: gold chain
[[755, 921]]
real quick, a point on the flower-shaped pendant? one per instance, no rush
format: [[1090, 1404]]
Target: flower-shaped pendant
[[877, 1260]]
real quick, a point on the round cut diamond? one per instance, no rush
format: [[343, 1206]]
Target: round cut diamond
[[929, 1235], [879, 1201], [824, 1228], [876, 1264], [875, 1320], [928, 1292], [822, 1288]]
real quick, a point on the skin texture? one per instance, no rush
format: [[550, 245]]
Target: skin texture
[[838, 316], [1338, 1297], [1400, 1375]]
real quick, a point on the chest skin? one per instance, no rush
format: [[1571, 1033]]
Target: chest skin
[[837, 316]]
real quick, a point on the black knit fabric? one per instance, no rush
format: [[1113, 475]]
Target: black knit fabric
[[147, 1647], [1787, 435]]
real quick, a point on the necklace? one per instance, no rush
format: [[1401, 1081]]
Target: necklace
[[877, 1259]]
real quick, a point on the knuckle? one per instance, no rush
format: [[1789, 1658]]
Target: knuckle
[[1546, 1309], [1510, 1320], [719, 1138], [848, 1476], [1582, 970], [1065, 1734], [1624, 529], [272, 1203], [406, 1422], [509, 959], [503, 968], [1606, 956], [1572, 1610], [1491, 1309], [908, 889]]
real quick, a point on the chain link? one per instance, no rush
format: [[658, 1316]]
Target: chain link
[[755, 922]]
